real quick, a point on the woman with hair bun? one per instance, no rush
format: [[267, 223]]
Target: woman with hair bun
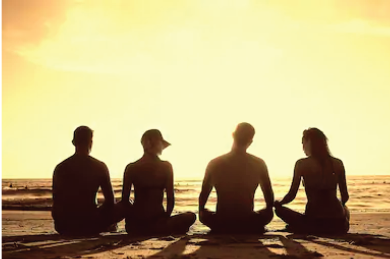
[[321, 173]]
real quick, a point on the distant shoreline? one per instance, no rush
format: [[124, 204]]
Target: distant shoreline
[[10, 208], [201, 177]]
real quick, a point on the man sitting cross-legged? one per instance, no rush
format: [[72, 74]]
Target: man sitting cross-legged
[[236, 176], [76, 182]]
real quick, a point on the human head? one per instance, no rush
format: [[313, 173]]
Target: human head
[[82, 138], [153, 142], [315, 143], [243, 135]]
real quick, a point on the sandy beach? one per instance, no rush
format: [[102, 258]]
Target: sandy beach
[[30, 234]]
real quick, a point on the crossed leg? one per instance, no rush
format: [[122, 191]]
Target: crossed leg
[[300, 223], [177, 224], [96, 222], [254, 223]]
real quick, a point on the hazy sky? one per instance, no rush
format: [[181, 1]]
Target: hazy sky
[[194, 69]]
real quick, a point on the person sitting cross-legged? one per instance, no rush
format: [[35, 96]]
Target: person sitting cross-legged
[[320, 173], [151, 177], [236, 176], [76, 182]]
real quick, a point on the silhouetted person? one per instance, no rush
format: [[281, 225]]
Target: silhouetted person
[[236, 176], [150, 177], [76, 181], [320, 174]]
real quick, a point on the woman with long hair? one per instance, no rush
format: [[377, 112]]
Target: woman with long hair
[[321, 173]]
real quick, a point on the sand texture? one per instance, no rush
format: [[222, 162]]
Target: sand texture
[[27, 234]]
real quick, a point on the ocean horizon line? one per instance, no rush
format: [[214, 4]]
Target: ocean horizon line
[[193, 178]]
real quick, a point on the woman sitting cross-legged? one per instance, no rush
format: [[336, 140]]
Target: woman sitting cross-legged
[[321, 174], [150, 177]]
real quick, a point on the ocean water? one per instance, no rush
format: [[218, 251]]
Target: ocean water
[[367, 194]]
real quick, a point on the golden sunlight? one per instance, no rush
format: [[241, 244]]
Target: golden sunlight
[[194, 70]]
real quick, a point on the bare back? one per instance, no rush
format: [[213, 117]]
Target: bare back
[[75, 186], [320, 182], [236, 177], [150, 178]]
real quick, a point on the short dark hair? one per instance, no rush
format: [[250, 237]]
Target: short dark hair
[[82, 136], [244, 134]]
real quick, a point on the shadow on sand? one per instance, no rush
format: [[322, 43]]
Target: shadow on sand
[[202, 245], [236, 246], [209, 246], [274, 246], [43, 246], [371, 244]]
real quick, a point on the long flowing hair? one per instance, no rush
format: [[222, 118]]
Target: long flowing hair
[[318, 144]]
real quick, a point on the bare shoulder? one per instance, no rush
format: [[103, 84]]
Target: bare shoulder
[[337, 160], [338, 163], [218, 161], [130, 168], [65, 163], [60, 166], [303, 164], [167, 167], [99, 164], [166, 163], [259, 161], [136, 163], [303, 161], [165, 171]]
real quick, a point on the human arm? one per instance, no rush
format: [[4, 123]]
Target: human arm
[[108, 192], [343, 185], [127, 184], [292, 193], [266, 187], [60, 193], [169, 188], [55, 184], [207, 186]]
